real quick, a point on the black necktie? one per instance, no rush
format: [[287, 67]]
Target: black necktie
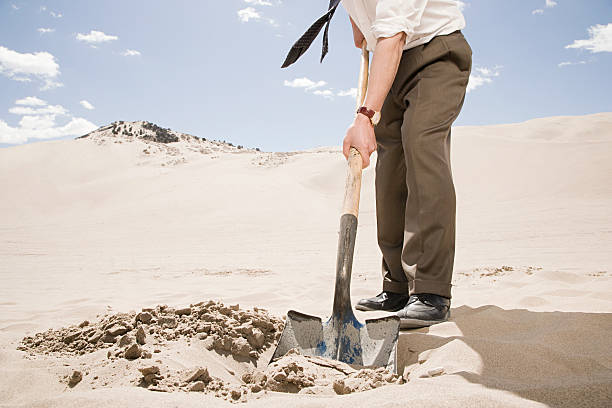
[[302, 44]]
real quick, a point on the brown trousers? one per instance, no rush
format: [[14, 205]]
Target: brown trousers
[[415, 195]]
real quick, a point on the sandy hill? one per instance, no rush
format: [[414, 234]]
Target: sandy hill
[[131, 216], [155, 140]]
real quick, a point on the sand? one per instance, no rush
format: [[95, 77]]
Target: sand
[[98, 231], [235, 345]]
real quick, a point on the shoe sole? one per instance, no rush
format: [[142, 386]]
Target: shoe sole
[[365, 308], [371, 309], [416, 323], [406, 323]]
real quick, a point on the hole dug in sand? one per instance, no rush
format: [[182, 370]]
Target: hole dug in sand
[[207, 347]]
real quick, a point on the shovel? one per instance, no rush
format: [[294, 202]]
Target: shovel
[[343, 337]]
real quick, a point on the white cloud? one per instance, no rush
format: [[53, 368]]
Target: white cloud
[[258, 2], [51, 13], [46, 30], [30, 101], [600, 39], [481, 76], [39, 123], [547, 4], [306, 83], [568, 63], [248, 13], [349, 92], [488, 72], [22, 110], [314, 87], [47, 110], [326, 93], [96, 37], [32, 105], [86, 105], [476, 81], [25, 66], [130, 53], [14, 6], [42, 128]]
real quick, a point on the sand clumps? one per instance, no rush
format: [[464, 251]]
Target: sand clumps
[[195, 379], [226, 329], [296, 373], [238, 337], [74, 378], [198, 379], [293, 373]]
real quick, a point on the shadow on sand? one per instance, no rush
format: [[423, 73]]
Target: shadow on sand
[[556, 358]]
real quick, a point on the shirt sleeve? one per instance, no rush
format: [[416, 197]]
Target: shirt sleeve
[[394, 16]]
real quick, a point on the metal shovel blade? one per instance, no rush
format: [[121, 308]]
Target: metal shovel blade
[[342, 337], [372, 344]]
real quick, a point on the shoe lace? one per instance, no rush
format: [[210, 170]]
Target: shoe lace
[[413, 298]]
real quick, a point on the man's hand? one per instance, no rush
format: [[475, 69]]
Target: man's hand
[[360, 135], [357, 34]]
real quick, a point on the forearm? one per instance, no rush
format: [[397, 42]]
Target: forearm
[[383, 68], [357, 34], [385, 61]]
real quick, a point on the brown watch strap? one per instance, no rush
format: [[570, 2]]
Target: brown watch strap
[[368, 112]]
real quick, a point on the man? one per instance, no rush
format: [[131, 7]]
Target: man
[[418, 78]]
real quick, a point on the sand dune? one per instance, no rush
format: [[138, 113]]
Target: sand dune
[[92, 226]]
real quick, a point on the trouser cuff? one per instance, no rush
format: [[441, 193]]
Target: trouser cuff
[[395, 287], [433, 287]]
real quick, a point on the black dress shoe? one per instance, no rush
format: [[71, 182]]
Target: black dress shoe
[[424, 309], [385, 301]]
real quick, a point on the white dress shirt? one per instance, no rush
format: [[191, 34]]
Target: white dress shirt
[[421, 20]]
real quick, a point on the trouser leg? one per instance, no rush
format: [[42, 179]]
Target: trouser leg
[[429, 243], [430, 86], [391, 193]]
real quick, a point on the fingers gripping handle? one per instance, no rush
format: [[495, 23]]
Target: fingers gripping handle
[[353, 179]]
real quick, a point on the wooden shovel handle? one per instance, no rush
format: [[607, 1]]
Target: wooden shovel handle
[[355, 162]]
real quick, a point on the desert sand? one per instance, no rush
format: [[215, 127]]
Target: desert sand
[[216, 243]]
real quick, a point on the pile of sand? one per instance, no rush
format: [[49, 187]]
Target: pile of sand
[[241, 335], [227, 329]]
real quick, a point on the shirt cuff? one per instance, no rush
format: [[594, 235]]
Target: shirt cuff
[[388, 27]]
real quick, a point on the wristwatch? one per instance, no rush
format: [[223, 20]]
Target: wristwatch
[[373, 115]]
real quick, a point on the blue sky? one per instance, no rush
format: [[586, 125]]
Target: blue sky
[[212, 68]]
